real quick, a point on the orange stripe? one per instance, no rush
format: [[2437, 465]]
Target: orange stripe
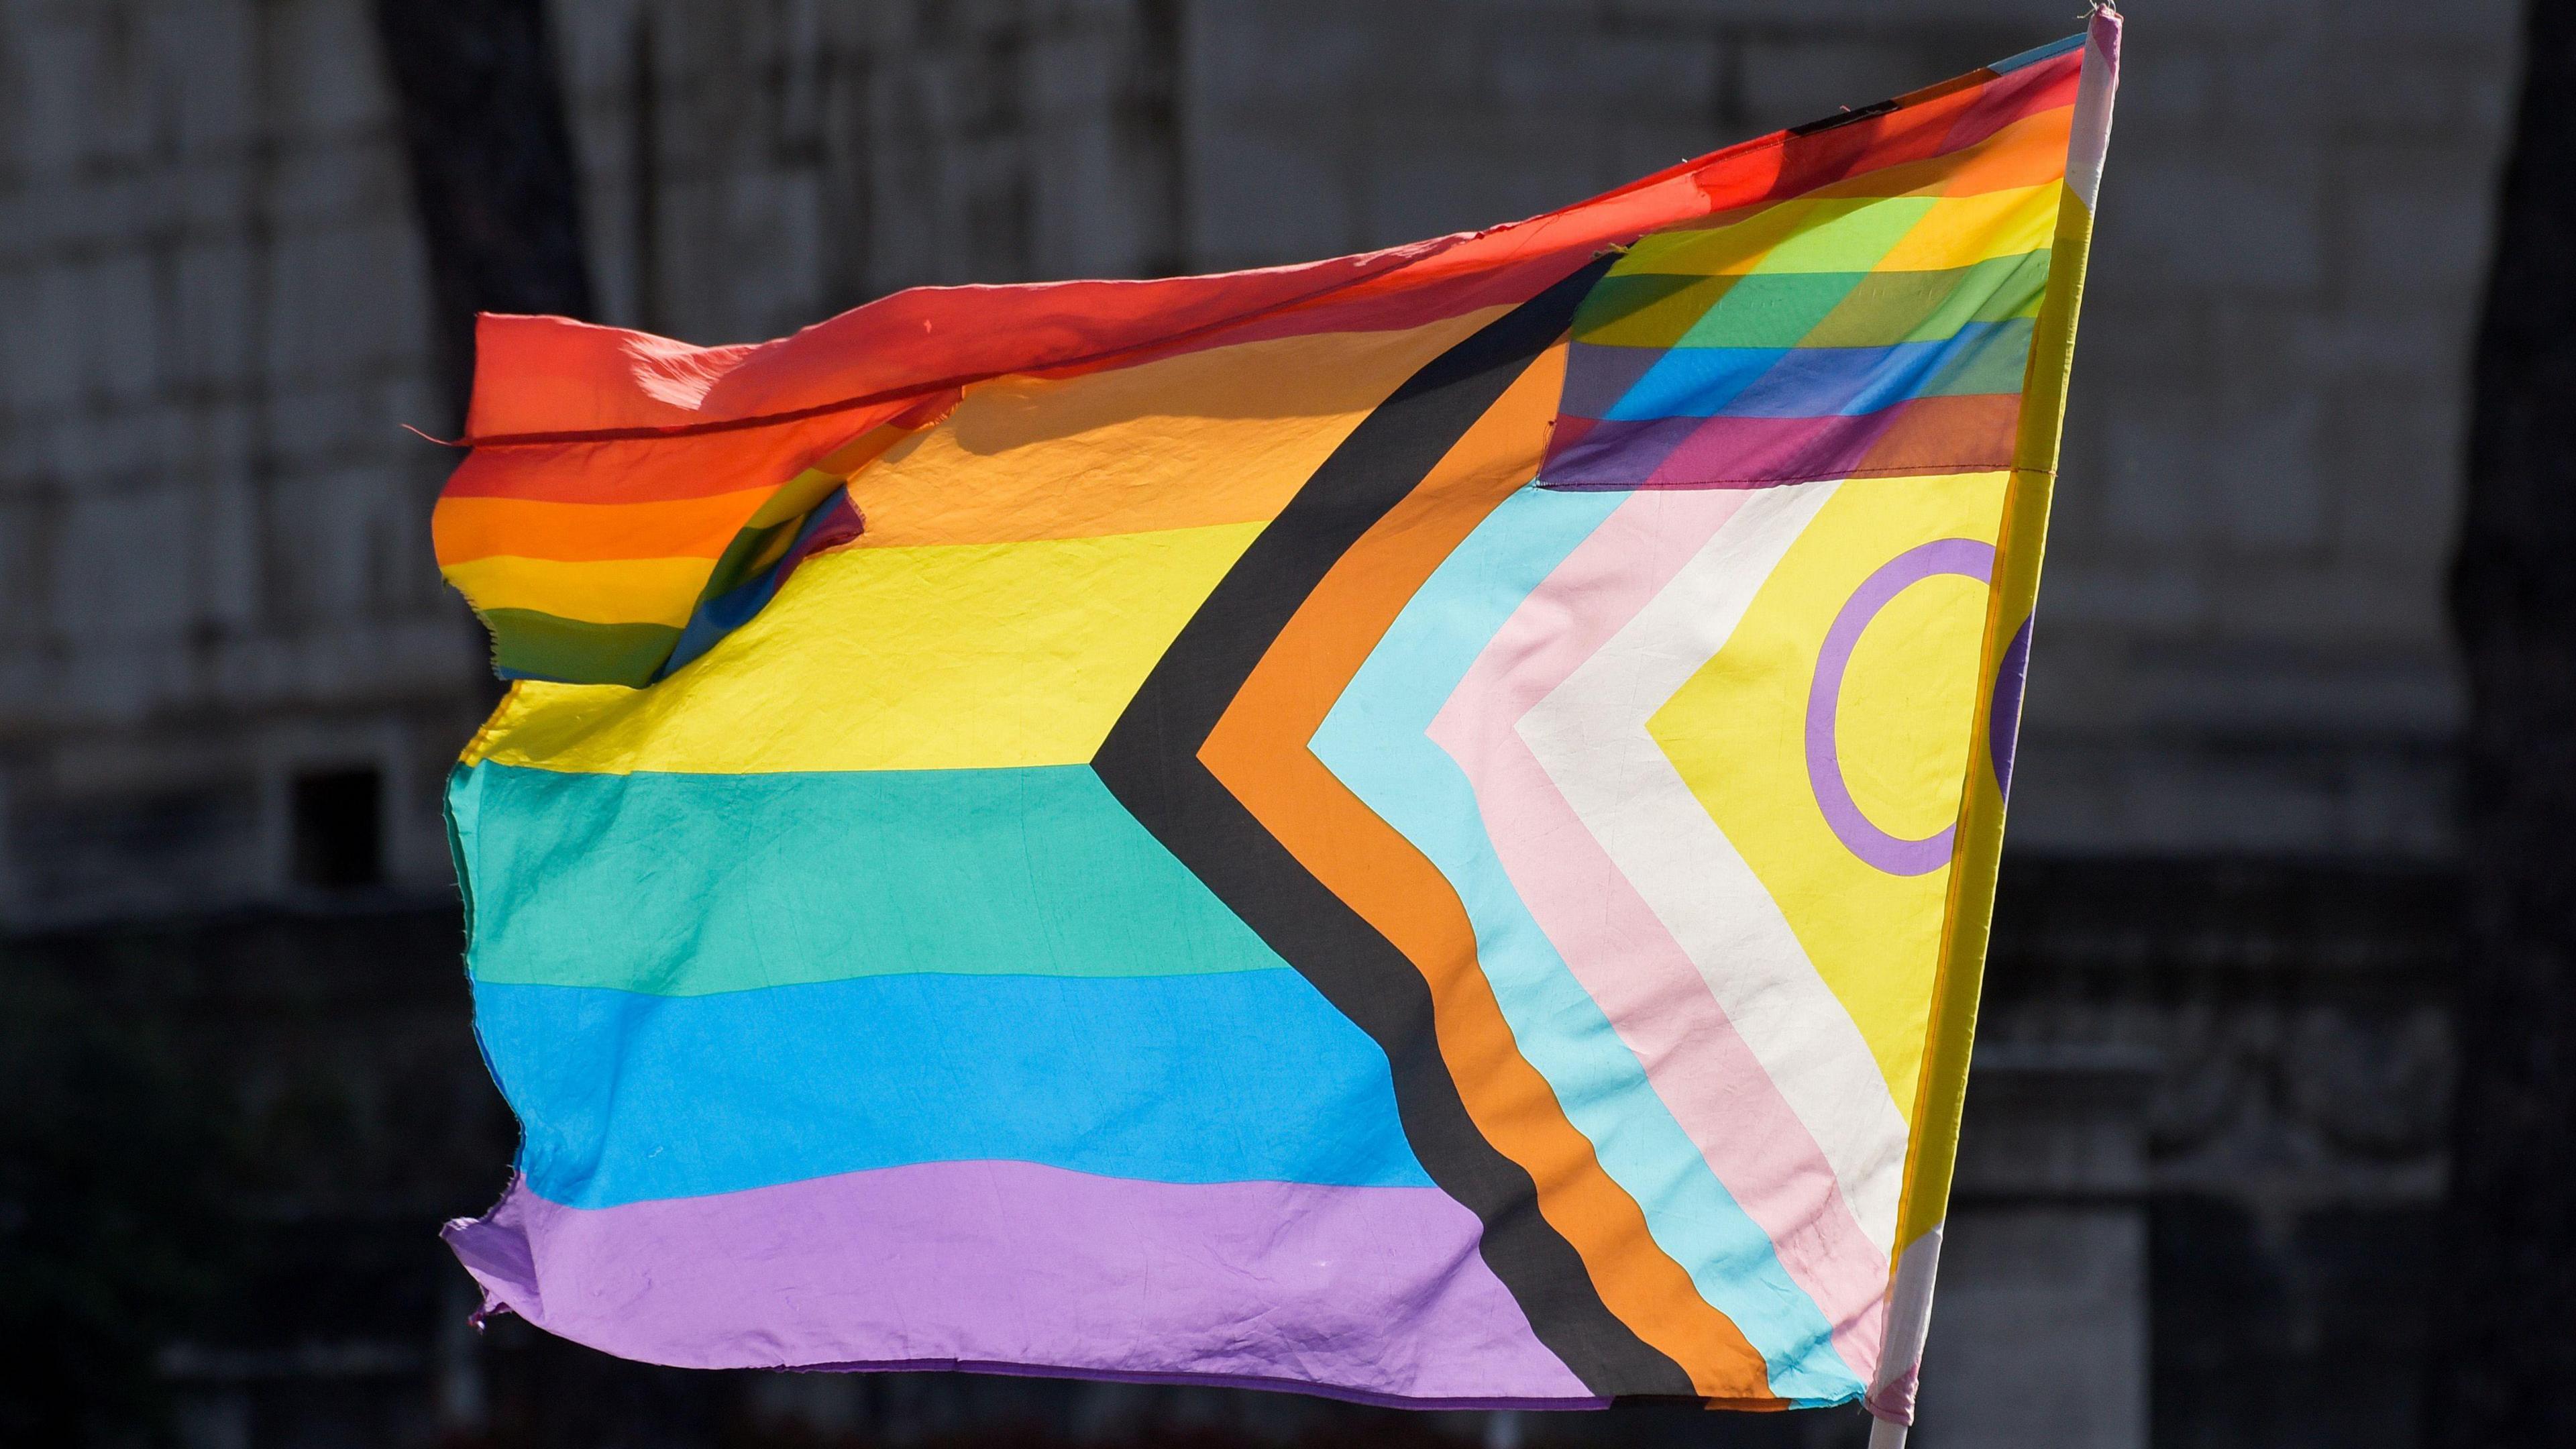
[[2029, 152], [1221, 435], [466, 528], [1258, 750]]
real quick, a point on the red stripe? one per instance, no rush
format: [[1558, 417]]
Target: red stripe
[[563, 410], [2025, 92], [1943, 121], [548, 379], [656, 469]]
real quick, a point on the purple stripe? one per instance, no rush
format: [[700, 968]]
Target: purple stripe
[[1967, 433], [1717, 452], [1617, 454], [1370, 1293]]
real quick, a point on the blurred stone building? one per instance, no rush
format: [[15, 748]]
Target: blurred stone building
[[2205, 1141]]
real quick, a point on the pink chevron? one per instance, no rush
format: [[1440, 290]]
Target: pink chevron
[[1612, 940]]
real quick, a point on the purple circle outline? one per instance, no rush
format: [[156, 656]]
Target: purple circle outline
[[1965, 557]]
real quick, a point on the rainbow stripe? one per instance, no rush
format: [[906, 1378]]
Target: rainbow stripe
[[622, 581], [1876, 326], [1416, 827]]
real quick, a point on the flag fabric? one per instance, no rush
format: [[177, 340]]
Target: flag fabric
[[1417, 827]]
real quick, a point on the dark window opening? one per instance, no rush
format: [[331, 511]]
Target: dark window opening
[[339, 829]]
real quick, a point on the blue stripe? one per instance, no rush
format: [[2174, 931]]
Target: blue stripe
[[1698, 382], [1375, 741], [2036, 54], [1808, 382], [1235, 1077]]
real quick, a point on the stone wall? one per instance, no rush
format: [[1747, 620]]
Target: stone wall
[[2288, 1026], [214, 547], [2242, 646], [753, 168]]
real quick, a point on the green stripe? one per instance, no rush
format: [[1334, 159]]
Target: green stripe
[[1646, 309], [688, 885], [1772, 309], [1809, 309], [1992, 364], [533, 645], [1886, 307], [742, 557]]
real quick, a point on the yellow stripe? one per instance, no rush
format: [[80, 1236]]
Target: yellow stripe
[[1223, 435], [1853, 234], [616, 591], [947, 657], [1742, 246], [1960, 231]]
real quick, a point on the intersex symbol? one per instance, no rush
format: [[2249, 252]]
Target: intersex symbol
[[1966, 558]]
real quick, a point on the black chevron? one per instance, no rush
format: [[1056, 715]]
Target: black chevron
[[1150, 762]]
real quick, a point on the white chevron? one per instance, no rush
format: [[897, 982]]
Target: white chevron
[[1590, 736]]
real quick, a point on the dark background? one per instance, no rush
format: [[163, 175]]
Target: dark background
[[2289, 811]]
